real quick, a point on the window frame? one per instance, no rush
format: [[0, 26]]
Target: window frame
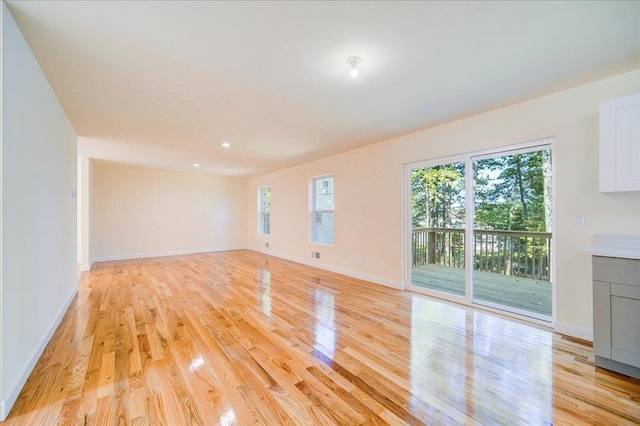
[[261, 211], [313, 210]]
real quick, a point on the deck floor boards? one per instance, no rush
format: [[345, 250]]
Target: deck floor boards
[[515, 292]]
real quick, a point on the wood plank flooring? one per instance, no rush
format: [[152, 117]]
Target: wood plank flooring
[[243, 338]]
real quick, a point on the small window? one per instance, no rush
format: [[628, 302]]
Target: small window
[[322, 210], [264, 210]]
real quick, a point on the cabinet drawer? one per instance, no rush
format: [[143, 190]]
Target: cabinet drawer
[[616, 270]]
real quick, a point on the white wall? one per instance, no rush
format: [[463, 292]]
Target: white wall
[[85, 200], [140, 212], [79, 211], [38, 278], [368, 182]]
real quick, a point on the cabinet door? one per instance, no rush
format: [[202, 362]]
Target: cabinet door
[[620, 144], [625, 324], [602, 319]]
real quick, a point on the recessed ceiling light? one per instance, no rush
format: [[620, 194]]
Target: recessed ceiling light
[[226, 145], [196, 165]]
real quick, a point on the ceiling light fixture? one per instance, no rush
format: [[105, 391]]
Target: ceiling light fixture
[[354, 61], [196, 165], [226, 145]]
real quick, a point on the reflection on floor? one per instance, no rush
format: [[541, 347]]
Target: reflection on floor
[[241, 338]]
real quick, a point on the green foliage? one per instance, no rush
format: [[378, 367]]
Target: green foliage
[[266, 199], [437, 196], [509, 194]]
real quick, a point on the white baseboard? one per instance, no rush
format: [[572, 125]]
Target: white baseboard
[[571, 330], [160, 254], [7, 404], [353, 274]]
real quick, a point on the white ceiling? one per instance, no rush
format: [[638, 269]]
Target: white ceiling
[[162, 84]]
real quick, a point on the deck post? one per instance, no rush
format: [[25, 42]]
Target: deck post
[[431, 247]]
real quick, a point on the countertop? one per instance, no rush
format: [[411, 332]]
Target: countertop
[[608, 245]]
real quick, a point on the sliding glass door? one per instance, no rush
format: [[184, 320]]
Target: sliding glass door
[[481, 229], [512, 231], [438, 219]]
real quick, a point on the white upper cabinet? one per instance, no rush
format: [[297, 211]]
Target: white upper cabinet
[[620, 144]]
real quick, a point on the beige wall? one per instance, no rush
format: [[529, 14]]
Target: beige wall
[[85, 197], [368, 182], [138, 212], [38, 250]]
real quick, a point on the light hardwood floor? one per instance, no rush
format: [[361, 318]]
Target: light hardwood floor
[[242, 338]]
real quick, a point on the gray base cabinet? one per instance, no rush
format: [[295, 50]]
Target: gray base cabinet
[[616, 314]]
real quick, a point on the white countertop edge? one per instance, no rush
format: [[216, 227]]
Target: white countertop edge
[[627, 253]]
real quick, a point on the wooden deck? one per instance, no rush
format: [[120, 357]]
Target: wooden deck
[[516, 292]]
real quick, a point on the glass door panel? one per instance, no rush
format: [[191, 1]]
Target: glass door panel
[[512, 232], [438, 228]]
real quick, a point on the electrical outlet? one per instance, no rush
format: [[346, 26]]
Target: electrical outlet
[[580, 220], [317, 255], [266, 245]]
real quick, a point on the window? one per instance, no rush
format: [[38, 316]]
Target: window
[[264, 210], [322, 210]]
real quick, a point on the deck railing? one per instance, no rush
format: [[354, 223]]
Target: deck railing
[[516, 253]]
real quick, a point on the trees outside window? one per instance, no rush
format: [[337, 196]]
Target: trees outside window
[[322, 209], [264, 210]]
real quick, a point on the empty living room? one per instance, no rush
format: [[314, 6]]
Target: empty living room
[[320, 212]]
